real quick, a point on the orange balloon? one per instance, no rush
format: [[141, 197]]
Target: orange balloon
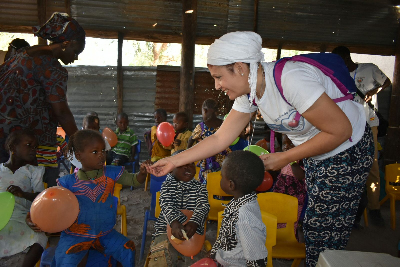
[[189, 247], [55, 209], [165, 133], [266, 184], [110, 136], [60, 131]]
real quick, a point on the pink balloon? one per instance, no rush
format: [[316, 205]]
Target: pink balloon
[[189, 247], [204, 262], [110, 136], [165, 133], [55, 209]]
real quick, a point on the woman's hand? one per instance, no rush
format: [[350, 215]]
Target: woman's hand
[[16, 191], [161, 167], [274, 161], [33, 226]]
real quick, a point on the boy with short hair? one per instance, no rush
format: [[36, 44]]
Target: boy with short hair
[[182, 132], [242, 236], [124, 150]]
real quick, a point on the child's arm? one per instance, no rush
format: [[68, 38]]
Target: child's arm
[[134, 179], [252, 235], [133, 152], [31, 225], [17, 191], [200, 213]]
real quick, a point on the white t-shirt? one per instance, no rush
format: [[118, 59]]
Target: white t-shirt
[[302, 85], [368, 76]]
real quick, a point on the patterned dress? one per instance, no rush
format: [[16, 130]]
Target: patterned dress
[[28, 87], [211, 164], [94, 227], [17, 236]]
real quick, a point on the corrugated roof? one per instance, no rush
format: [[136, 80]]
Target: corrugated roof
[[367, 26]]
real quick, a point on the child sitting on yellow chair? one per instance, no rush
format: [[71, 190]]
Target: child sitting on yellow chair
[[180, 191]]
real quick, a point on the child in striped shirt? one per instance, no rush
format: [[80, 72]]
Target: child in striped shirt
[[242, 236], [124, 150], [180, 191]]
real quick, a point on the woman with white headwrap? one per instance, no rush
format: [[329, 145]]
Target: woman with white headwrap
[[333, 138]]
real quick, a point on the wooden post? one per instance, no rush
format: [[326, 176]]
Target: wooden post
[[120, 78], [68, 7], [255, 21], [392, 140], [42, 18], [278, 52], [189, 21]]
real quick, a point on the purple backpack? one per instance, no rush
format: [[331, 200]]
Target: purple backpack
[[332, 65]]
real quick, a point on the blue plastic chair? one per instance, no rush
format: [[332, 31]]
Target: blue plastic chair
[[135, 164], [155, 186]]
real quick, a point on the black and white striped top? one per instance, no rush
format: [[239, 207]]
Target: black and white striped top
[[242, 236], [175, 196]]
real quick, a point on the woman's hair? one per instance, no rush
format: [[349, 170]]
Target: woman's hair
[[211, 104], [245, 169], [19, 43], [78, 141], [161, 111], [15, 137]]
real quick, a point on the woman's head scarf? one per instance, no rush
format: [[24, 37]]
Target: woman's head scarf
[[59, 28], [238, 47]]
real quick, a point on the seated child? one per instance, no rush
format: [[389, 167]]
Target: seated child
[[158, 151], [92, 122], [181, 124], [24, 181], [93, 185], [179, 191], [124, 150], [207, 127], [243, 138], [242, 236]]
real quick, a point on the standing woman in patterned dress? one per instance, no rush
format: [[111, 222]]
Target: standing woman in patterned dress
[[33, 84], [333, 138]]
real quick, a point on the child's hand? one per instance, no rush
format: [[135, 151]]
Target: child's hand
[[176, 230], [190, 229], [29, 222], [144, 166], [15, 190], [177, 142]]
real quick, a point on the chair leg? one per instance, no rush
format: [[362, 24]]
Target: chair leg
[[123, 221], [146, 184], [146, 217], [383, 200], [393, 212], [296, 262], [365, 218]]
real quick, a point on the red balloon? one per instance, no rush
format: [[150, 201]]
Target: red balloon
[[189, 247], [266, 184], [110, 136], [204, 262], [165, 133], [263, 143], [55, 209]]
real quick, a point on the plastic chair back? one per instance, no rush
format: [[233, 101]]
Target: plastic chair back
[[155, 186], [214, 189], [157, 209], [392, 178], [135, 163]]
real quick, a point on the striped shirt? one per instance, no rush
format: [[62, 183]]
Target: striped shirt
[[242, 236], [126, 140], [47, 155], [175, 196]]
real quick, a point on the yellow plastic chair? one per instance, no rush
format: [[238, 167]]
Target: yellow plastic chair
[[214, 189], [270, 222], [121, 209], [284, 207], [147, 182], [392, 188]]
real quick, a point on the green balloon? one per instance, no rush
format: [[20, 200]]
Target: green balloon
[[256, 150], [235, 142], [7, 202]]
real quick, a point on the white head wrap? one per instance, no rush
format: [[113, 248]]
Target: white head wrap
[[238, 47]]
